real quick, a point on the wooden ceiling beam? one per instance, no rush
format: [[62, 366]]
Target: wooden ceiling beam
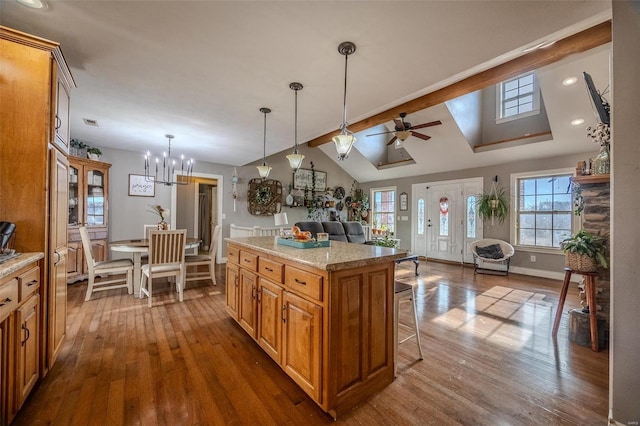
[[577, 43]]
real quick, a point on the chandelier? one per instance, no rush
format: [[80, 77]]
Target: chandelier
[[345, 140], [168, 168], [264, 169], [295, 158]]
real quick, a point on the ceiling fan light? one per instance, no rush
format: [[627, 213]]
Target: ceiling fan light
[[295, 160], [403, 135], [264, 170], [344, 142]]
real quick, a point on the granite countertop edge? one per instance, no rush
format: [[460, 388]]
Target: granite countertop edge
[[337, 257], [12, 265]]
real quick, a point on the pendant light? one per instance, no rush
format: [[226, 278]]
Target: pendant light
[[345, 140], [264, 169], [295, 158]]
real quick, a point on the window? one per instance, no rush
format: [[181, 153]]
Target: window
[[471, 216], [517, 98], [384, 208], [543, 209]]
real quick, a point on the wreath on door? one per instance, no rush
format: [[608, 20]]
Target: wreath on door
[[444, 206]]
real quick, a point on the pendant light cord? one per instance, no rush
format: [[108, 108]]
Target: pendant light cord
[[344, 101], [295, 125], [264, 141]]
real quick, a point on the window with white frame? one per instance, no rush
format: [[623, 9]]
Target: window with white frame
[[542, 208], [517, 98], [383, 208]]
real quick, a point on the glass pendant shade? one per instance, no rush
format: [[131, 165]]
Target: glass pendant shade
[[344, 142], [264, 170], [403, 135], [295, 160]]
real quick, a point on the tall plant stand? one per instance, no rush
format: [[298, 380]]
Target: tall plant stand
[[590, 289]]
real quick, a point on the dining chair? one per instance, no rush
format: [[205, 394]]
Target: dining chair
[[208, 260], [166, 259], [145, 257], [108, 267]]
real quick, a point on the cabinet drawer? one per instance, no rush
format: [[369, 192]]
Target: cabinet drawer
[[8, 298], [233, 254], [271, 270], [303, 282], [249, 261], [28, 283]]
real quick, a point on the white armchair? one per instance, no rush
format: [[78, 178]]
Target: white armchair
[[490, 251]]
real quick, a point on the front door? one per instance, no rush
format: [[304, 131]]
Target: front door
[[445, 219]]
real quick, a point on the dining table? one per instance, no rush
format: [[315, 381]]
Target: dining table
[[138, 247]]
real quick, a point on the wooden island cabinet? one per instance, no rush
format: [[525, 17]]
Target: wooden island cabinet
[[325, 315]]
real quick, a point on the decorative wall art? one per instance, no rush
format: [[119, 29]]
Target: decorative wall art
[[264, 197], [404, 201], [140, 187], [303, 178]]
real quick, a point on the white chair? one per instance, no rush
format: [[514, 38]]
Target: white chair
[[119, 266], [208, 260], [403, 292], [166, 259], [491, 251], [145, 257]]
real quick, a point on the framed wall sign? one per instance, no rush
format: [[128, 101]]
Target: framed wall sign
[[140, 187], [303, 178], [404, 201]]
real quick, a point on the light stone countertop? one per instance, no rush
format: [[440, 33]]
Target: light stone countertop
[[14, 264], [334, 258]]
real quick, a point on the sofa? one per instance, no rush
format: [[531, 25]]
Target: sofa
[[351, 232]]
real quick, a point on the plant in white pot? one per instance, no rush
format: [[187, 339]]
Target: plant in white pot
[[584, 252], [94, 153]]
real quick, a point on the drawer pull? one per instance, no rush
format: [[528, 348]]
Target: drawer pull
[[33, 282], [268, 269], [5, 301], [25, 328], [284, 309], [300, 282]]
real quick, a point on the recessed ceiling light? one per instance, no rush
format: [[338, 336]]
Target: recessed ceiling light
[[577, 121], [34, 4], [569, 81]]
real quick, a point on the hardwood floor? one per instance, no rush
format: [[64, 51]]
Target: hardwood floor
[[489, 360]]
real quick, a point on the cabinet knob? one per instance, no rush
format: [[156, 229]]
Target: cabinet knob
[[5, 301]]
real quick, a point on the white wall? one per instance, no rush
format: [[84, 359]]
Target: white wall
[[624, 387]]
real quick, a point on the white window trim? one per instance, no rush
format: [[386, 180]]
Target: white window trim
[[575, 220], [395, 204], [536, 101]]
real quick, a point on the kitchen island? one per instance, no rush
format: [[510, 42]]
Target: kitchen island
[[325, 315]]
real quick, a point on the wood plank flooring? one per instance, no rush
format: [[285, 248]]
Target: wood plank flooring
[[489, 360]]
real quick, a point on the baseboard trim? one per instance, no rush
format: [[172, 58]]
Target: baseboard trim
[[544, 274]]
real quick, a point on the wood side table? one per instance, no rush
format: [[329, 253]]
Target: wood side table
[[590, 289]]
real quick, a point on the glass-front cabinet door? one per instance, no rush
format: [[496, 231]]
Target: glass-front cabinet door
[[75, 194], [95, 201]]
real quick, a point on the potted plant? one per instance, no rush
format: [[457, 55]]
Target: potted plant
[[94, 153], [493, 205], [584, 252]]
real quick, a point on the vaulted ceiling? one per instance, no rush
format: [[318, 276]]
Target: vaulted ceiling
[[202, 70]]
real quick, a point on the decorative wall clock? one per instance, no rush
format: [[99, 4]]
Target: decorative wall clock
[[264, 197]]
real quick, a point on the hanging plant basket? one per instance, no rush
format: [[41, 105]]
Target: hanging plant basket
[[493, 205]]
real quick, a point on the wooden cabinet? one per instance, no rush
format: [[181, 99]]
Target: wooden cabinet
[[302, 343], [232, 286], [88, 200], [20, 335], [33, 193], [330, 331], [27, 332]]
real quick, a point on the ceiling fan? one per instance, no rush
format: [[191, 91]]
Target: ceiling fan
[[404, 129]]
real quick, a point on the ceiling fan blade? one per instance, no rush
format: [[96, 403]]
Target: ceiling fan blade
[[381, 133], [393, 139], [399, 123], [421, 136], [422, 126]]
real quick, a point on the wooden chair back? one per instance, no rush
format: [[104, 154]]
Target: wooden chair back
[[213, 244], [86, 246], [148, 228], [167, 247]]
